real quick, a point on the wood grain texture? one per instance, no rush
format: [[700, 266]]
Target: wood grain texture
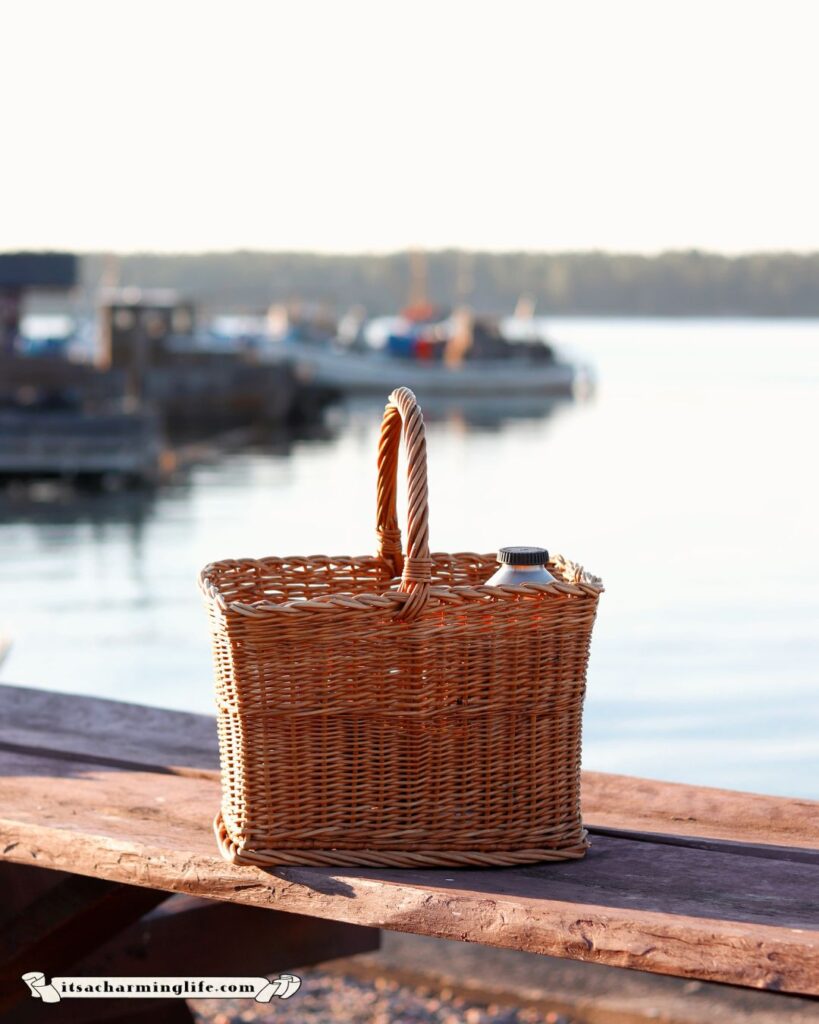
[[657, 907], [109, 729], [625, 803]]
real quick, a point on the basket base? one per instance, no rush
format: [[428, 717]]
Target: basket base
[[232, 852]]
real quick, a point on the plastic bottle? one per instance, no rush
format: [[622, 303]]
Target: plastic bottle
[[521, 565]]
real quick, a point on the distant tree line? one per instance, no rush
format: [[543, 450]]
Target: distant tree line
[[690, 283]]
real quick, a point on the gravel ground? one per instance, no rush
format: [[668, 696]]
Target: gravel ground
[[324, 999]]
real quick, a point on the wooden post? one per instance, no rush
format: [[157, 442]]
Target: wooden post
[[138, 364], [10, 303]]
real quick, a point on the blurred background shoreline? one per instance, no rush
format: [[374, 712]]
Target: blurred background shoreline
[[684, 283]]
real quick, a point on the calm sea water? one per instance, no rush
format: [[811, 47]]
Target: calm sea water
[[688, 482]]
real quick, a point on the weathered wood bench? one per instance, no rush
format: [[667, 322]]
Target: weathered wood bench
[[106, 809]]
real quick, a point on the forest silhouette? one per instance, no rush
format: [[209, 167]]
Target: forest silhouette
[[689, 283]]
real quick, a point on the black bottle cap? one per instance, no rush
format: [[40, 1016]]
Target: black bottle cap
[[523, 556]]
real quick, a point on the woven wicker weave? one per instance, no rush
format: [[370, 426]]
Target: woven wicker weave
[[367, 720]]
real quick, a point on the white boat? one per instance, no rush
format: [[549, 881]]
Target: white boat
[[351, 371]]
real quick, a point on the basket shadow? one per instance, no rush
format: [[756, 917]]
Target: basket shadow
[[617, 874]]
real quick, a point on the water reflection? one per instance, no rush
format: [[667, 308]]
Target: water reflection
[[471, 413], [54, 503], [688, 465]]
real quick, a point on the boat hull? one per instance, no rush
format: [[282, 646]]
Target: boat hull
[[363, 374]]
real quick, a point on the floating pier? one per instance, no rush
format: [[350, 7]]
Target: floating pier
[[80, 445], [153, 377]]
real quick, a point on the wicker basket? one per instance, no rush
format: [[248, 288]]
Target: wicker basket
[[369, 720]]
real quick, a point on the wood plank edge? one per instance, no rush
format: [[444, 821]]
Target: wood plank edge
[[104, 761], [732, 952], [796, 854]]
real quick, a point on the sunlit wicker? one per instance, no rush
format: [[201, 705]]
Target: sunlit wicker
[[367, 719]]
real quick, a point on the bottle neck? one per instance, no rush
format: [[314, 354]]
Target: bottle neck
[[524, 568]]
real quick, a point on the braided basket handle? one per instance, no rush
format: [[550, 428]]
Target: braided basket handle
[[404, 411]]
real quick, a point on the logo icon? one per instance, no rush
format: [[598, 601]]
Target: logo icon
[[260, 989]]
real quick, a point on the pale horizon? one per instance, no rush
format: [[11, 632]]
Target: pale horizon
[[429, 251], [635, 128]]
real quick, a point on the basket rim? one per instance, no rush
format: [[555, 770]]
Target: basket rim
[[571, 846], [575, 581]]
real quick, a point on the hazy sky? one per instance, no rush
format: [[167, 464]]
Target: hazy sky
[[376, 125]]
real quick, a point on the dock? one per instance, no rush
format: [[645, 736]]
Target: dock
[[124, 414], [152, 376], [80, 445], [203, 391]]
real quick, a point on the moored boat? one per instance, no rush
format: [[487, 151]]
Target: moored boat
[[459, 356], [374, 372]]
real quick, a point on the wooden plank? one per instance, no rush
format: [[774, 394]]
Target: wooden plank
[[21, 886], [108, 729], [102, 1011], [125, 734], [58, 927], [188, 936], [621, 802], [675, 910]]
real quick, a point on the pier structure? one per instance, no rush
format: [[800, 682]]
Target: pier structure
[[152, 340], [21, 273], [155, 380]]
